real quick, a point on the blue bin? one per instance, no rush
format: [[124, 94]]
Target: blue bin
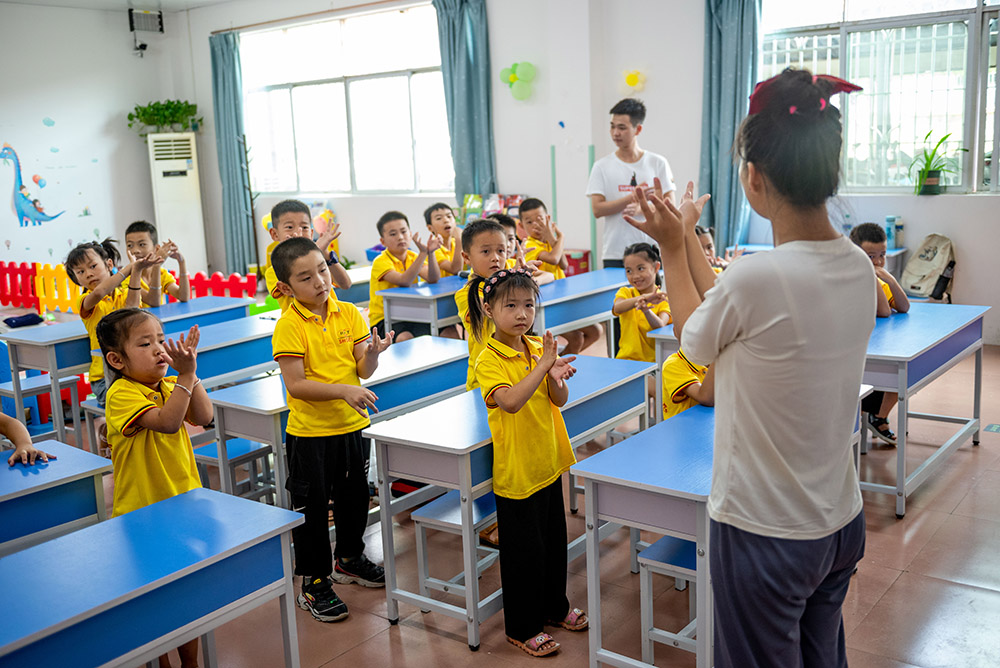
[[374, 252]]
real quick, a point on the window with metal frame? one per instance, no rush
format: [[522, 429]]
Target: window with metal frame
[[353, 105], [925, 73]]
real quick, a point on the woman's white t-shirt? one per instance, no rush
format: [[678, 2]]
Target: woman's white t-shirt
[[613, 178], [787, 330]]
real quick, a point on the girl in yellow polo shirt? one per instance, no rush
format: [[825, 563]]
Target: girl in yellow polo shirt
[[522, 380], [641, 306], [146, 410]]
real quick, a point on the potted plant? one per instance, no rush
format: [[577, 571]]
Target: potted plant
[[931, 163], [166, 116]]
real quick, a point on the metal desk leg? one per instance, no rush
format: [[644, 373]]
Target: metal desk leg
[[593, 570], [434, 317], [978, 390], [74, 408], [705, 624], [609, 336], [15, 376], [88, 418], [902, 408], [208, 650], [386, 317], [388, 548], [56, 398], [658, 380], [281, 495], [289, 632], [470, 555], [226, 482]]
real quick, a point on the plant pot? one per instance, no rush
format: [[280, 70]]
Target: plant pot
[[930, 182]]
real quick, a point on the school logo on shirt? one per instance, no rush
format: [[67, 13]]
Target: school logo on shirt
[[344, 336]]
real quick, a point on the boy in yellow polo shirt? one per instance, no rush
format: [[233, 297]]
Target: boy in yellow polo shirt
[[545, 244], [686, 384], [292, 218], [324, 348], [398, 267]]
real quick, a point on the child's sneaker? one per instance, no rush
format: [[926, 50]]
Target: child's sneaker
[[318, 598], [359, 570]]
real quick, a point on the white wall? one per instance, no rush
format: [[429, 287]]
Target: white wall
[[75, 67], [581, 50], [970, 221]]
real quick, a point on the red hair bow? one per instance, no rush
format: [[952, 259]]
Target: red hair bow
[[762, 91]]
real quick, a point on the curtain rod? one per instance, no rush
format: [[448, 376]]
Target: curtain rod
[[311, 15]]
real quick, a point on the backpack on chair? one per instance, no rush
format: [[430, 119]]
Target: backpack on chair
[[926, 265]]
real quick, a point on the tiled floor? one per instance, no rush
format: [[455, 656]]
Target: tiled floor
[[927, 594]]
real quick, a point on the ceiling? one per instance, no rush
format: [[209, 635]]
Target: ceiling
[[153, 5]]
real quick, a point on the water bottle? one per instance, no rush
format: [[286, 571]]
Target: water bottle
[[900, 241], [890, 232], [846, 226], [943, 280]]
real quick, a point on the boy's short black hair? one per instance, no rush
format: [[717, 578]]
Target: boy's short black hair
[[702, 231], [287, 252], [140, 226], [476, 227], [504, 220], [288, 206], [868, 233], [436, 206], [530, 204], [631, 107], [390, 216]]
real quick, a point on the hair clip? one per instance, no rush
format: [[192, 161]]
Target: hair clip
[[792, 109], [487, 289], [762, 91], [822, 103]]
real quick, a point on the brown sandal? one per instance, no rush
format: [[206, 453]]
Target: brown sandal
[[541, 645], [575, 620]]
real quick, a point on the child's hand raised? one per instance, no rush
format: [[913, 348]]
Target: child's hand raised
[[549, 352], [416, 242], [151, 260], [327, 238], [183, 353], [654, 298], [360, 398], [377, 345], [433, 243], [562, 369]]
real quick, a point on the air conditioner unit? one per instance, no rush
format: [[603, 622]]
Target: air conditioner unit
[[173, 163]]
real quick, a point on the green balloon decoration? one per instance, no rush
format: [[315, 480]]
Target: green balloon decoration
[[521, 90], [518, 78], [524, 71]]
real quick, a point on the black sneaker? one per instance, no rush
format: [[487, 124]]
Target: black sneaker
[[360, 570], [318, 598]]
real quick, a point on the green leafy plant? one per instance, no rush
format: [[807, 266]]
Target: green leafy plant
[[346, 262], [166, 116], [934, 158]]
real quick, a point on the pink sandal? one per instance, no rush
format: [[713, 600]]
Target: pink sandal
[[575, 620], [541, 645]]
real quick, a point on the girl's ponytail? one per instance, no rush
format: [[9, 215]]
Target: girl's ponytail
[[477, 314], [111, 250]]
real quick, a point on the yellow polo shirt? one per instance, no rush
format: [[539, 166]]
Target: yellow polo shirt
[[326, 349], [678, 373], [533, 246], [382, 265], [476, 346], [888, 292], [531, 447], [634, 344], [445, 255], [149, 466], [110, 303]]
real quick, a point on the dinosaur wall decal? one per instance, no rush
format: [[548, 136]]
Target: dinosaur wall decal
[[24, 208]]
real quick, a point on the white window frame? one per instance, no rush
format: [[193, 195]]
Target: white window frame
[[977, 20]]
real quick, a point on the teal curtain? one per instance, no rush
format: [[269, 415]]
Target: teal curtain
[[227, 95], [731, 44], [465, 67]]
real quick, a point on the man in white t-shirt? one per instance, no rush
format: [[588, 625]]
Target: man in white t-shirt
[[615, 176]]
